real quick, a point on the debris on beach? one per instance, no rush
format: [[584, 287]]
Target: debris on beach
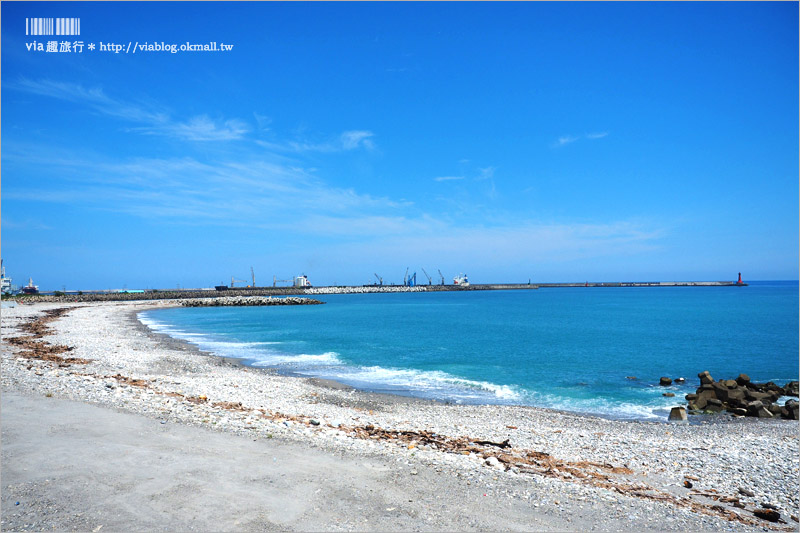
[[34, 348]]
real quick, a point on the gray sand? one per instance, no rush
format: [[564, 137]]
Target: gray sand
[[76, 466]]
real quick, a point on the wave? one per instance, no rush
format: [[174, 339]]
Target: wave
[[430, 384]]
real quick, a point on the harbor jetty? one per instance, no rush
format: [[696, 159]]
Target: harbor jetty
[[183, 294]]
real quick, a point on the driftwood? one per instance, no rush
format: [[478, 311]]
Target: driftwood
[[34, 348]]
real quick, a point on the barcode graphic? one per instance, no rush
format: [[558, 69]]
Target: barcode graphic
[[52, 26]]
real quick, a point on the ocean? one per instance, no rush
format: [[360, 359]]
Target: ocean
[[597, 351]]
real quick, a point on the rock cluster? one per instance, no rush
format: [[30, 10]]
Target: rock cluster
[[245, 301], [743, 398]]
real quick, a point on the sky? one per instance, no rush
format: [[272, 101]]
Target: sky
[[508, 141]]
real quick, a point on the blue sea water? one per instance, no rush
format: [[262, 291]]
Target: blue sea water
[[572, 349]]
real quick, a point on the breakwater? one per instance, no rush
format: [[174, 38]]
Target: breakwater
[[172, 294]]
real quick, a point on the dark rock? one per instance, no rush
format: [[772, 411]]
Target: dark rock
[[791, 389], [768, 514], [743, 379], [699, 403], [731, 384], [775, 409], [705, 378], [714, 405], [758, 396], [793, 408], [678, 414], [693, 407], [763, 412], [690, 397], [669, 394], [746, 492], [687, 484], [664, 381], [707, 386], [631, 377], [314, 422], [680, 380], [737, 411]]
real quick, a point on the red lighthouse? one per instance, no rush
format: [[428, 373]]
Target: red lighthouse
[[740, 279]]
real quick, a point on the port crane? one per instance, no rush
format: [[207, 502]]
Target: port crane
[[234, 280], [253, 276], [430, 281], [380, 280], [441, 276], [405, 277], [275, 281]]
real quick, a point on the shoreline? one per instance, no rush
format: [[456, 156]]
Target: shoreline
[[410, 394], [137, 373]]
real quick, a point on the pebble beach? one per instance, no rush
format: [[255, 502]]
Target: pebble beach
[[480, 467]]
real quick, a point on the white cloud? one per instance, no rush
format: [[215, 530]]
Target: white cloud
[[569, 139], [200, 128], [566, 139], [448, 178], [353, 139], [157, 121]]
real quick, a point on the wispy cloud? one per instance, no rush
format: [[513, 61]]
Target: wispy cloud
[[354, 139], [566, 139], [346, 141], [569, 139], [156, 121], [199, 128], [448, 178], [486, 173]]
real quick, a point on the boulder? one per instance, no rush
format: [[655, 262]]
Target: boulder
[[699, 403], [763, 412], [730, 383], [755, 395], [775, 409], [707, 394], [678, 414], [737, 411], [690, 397], [669, 394], [665, 381], [792, 410], [714, 405], [680, 380], [791, 389], [705, 377], [743, 379], [731, 396]]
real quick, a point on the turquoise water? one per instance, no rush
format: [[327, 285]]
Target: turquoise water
[[565, 348]]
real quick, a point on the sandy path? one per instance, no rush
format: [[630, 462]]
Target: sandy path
[[76, 466]]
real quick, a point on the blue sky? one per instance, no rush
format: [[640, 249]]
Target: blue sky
[[550, 141]]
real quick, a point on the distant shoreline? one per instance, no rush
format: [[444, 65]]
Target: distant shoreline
[[156, 294]]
